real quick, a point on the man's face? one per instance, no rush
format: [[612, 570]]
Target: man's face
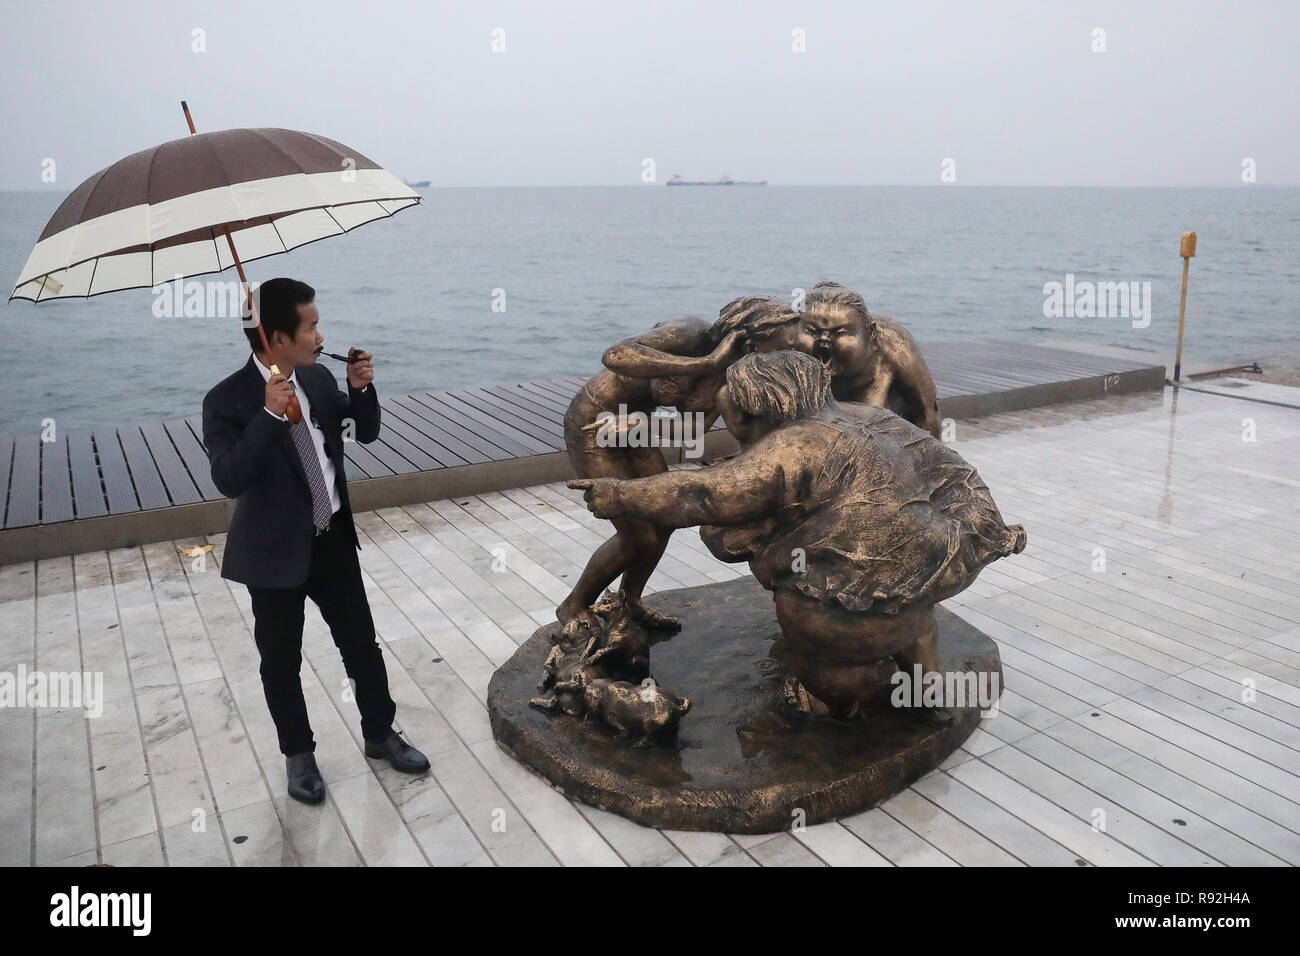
[[836, 336], [302, 348]]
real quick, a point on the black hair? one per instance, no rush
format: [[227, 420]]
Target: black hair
[[277, 307]]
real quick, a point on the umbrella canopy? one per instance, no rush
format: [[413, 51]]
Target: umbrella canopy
[[164, 211]]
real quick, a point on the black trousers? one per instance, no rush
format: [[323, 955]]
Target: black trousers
[[334, 584]]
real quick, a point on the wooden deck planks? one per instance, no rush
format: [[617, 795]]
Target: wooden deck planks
[[413, 446], [25, 483], [358, 457], [189, 445], [119, 491], [145, 478], [538, 425], [540, 398], [87, 493], [181, 488], [450, 450], [161, 465], [474, 415], [387, 454], [56, 481], [1124, 687], [491, 443]]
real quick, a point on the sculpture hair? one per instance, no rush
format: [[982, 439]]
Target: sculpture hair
[[832, 293], [779, 386], [759, 316]]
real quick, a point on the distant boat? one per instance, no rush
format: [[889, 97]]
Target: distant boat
[[422, 184], [724, 181]]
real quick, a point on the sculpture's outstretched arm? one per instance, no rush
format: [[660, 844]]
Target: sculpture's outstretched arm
[[747, 488], [671, 349]]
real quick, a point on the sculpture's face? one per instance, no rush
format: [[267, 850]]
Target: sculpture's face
[[785, 337], [670, 391], [838, 337], [688, 395]]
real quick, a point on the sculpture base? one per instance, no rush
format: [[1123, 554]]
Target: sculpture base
[[744, 760]]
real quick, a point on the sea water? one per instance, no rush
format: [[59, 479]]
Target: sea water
[[481, 286]]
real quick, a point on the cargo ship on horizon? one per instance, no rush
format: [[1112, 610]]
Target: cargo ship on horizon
[[726, 180]]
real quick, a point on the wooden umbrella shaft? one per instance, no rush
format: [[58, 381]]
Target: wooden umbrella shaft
[[294, 411], [248, 293], [1182, 313]]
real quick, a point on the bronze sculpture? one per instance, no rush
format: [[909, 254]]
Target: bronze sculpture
[[854, 521], [872, 359], [607, 677], [857, 521], [680, 362]]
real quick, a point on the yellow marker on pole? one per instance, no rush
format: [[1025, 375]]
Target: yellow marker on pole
[[1187, 249]]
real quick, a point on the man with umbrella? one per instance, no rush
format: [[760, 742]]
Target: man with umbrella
[[292, 535], [273, 430]]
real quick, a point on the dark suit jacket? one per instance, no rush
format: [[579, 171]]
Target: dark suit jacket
[[254, 461]]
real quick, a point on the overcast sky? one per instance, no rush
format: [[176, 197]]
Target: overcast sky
[[584, 92]]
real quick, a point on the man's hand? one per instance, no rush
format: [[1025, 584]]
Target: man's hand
[[601, 496], [361, 372], [277, 394]]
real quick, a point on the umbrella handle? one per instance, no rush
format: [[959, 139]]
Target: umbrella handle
[[293, 411]]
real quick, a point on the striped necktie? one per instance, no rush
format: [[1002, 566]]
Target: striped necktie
[[321, 509]]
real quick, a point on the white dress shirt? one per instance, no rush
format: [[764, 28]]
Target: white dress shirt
[[317, 436]]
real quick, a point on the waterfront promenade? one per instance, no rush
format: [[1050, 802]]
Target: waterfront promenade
[[86, 490], [1160, 584]]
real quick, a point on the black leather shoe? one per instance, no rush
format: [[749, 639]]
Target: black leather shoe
[[305, 781], [399, 753]]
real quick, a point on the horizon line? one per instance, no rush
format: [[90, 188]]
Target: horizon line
[[49, 189]]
